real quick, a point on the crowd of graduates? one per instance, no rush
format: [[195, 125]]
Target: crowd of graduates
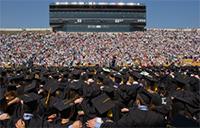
[[99, 97]]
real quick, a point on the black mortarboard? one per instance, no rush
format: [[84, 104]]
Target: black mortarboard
[[76, 74], [76, 86], [61, 105], [17, 77], [31, 86], [30, 102], [102, 103], [118, 77], [51, 85], [100, 77], [194, 84], [156, 99], [151, 80], [132, 90], [181, 80], [145, 96], [11, 87], [20, 90], [2, 92], [29, 97], [186, 97], [136, 75], [28, 77], [91, 91], [108, 89]]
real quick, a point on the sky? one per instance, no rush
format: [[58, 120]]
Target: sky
[[160, 13]]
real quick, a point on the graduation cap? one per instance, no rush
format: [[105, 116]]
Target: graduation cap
[[51, 85], [102, 103], [64, 107], [30, 102], [185, 97], [123, 71], [156, 99], [28, 77], [76, 86], [144, 96], [2, 92], [61, 105], [76, 74], [17, 77], [136, 75], [11, 87], [30, 97], [20, 90], [31, 86], [181, 80], [118, 77], [108, 89], [100, 77]]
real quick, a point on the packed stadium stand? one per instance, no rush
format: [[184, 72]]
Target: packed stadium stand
[[151, 47]]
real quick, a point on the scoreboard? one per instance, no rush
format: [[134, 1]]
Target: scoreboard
[[97, 17]]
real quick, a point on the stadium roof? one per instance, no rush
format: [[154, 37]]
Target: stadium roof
[[97, 3]]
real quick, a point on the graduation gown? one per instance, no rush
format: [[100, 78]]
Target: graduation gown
[[34, 122], [138, 118]]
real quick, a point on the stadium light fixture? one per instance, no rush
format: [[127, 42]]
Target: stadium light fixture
[[74, 3], [81, 3], [90, 3], [113, 3], [103, 3], [130, 4], [120, 3]]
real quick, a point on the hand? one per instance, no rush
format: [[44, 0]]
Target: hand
[[51, 117], [20, 124], [91, 123], [4, 116], [80, 113], [78, 101], [77, 124], [64, 121], [59, 79], [16, 100], [124, 110]]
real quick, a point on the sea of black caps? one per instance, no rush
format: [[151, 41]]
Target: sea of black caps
[[94, 96]]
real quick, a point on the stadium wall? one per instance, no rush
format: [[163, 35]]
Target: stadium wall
[[24, 29], [50, 29]]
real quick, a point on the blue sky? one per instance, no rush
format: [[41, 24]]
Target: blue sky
[[160, 13]]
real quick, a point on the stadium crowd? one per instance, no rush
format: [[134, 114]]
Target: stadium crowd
[[151, 47], [47, 86]]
